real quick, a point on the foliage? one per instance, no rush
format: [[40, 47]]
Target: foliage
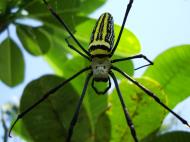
[[101, 117], [171, 70], [176, 136], [11, 60]]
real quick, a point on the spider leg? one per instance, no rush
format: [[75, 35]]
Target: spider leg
[[127, 116], [75, 116], [135, 57], [122, 27], [75, 49], [45, 96], [151, 94], [65, 26]]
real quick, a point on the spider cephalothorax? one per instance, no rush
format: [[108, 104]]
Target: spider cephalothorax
[[101, 68], [101, 49]]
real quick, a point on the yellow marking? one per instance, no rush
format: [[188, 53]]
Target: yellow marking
[[105, 27], [99, 42], [99, 51], [97, 28]]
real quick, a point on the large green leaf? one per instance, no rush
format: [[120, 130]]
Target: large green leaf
[[35, 40], [103, 128], [176, 136], [21, 131], [55, 113], [146, 114], [11, 63], [171, 69]]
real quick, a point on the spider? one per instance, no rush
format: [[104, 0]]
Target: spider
[[101, 49]]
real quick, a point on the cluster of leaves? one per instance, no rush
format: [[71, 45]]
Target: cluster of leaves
[[101, 117]]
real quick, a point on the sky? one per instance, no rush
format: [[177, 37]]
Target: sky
[[158, 24]]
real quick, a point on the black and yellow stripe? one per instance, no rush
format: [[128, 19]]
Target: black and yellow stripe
[[102, 38]]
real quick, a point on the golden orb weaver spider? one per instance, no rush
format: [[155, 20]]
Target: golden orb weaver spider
[[101, 49]]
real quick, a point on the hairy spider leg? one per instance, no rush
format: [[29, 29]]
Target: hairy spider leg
[[75, 116], [122, 27], [127, 116], [75, 49], [135, 57], [67, 28]]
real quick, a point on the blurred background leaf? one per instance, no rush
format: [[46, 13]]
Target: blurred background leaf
[[11, 63], [35, 40], [54, 114]]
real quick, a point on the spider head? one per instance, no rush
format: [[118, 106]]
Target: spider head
[[101, 68]]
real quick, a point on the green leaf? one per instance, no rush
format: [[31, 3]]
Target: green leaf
[[3, 5], [103, 129], [11, 63], [171, 69], [55, 113], [16, 3], [80, 7], [35, 40], [128, 45], [56, 56], [126, 66], [96, 104], [21, 131], [88, 6], [35, 7], [176, 136], [146, 114], [67, 10]]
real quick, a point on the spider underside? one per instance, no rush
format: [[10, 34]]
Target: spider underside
[[101, 68]]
